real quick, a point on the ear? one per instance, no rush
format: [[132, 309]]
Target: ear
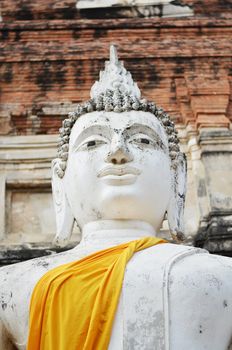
[[175, 211], [64, 217]]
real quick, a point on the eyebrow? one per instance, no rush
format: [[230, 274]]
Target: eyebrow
[[148, 130], [97, 128], [105, 130]]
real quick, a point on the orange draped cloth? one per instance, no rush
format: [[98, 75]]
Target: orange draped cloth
[[73, 306]]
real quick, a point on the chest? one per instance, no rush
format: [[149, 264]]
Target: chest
[[163, 308], [168, 302]]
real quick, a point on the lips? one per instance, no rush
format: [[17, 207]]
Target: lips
[[118, 170], [119, 175]]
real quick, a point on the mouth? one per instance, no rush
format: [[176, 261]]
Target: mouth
[[118, 170], [119, 175]]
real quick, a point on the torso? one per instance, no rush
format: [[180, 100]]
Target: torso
[[154, 313], [184, 302]]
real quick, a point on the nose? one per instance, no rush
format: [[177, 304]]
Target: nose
[[119, 154]]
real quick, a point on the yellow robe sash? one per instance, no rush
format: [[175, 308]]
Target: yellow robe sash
[[73, 306]]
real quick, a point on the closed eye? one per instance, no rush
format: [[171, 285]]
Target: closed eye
[[144, 140], [91, 144]]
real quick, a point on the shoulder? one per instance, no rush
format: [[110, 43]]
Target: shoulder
[[201, 277], [161, 255], [34, 268], [18, 280], [27, 273], [198, 262], [185, 257], [184, 265]]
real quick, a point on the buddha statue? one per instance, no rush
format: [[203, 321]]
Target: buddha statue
[[118, 174]]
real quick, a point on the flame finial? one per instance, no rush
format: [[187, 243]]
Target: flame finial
[[114, 77], [113, 55]]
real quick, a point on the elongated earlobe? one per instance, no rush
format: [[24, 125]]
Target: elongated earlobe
[[63, 213], [175, 211]]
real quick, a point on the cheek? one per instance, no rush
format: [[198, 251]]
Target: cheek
[[83, 162], [153, 159], [156, 172], [82, 171]]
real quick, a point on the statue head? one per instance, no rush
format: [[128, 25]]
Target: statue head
[[118, 159]]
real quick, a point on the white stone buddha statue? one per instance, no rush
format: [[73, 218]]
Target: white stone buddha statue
[[119, 171]]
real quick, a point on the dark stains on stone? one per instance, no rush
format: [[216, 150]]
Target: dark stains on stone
[[191, 64], [180, 3], [76, 34], [69, 12], [213, 134], [60, 72], [216, 68], [7, 75], [225, 304], [94, 68], [51, 75], [200, 329], [20, 253], [4, 306], [24, 13], [214, 233], [147, 73], [98, 13], [78, 66], [122, 12], [153, 76], [201, 191], [160, 7], [179, 70], [99, 33], [44, 78], [42, 263], [173, 87], [4, 34], [17, 35]]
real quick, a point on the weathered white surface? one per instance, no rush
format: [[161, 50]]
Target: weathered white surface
[[118, 189], [173, 297]]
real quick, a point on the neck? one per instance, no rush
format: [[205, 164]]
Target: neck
[[106, 233]]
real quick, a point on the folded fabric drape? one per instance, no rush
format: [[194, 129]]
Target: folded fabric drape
[[73, 306]]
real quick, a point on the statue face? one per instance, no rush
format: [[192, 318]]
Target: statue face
[[118, 168]]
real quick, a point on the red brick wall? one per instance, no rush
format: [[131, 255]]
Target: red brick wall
[[50, 55]]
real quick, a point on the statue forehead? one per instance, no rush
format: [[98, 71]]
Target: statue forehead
[[119, 121]]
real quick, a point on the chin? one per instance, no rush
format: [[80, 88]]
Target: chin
[[124, 204]]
